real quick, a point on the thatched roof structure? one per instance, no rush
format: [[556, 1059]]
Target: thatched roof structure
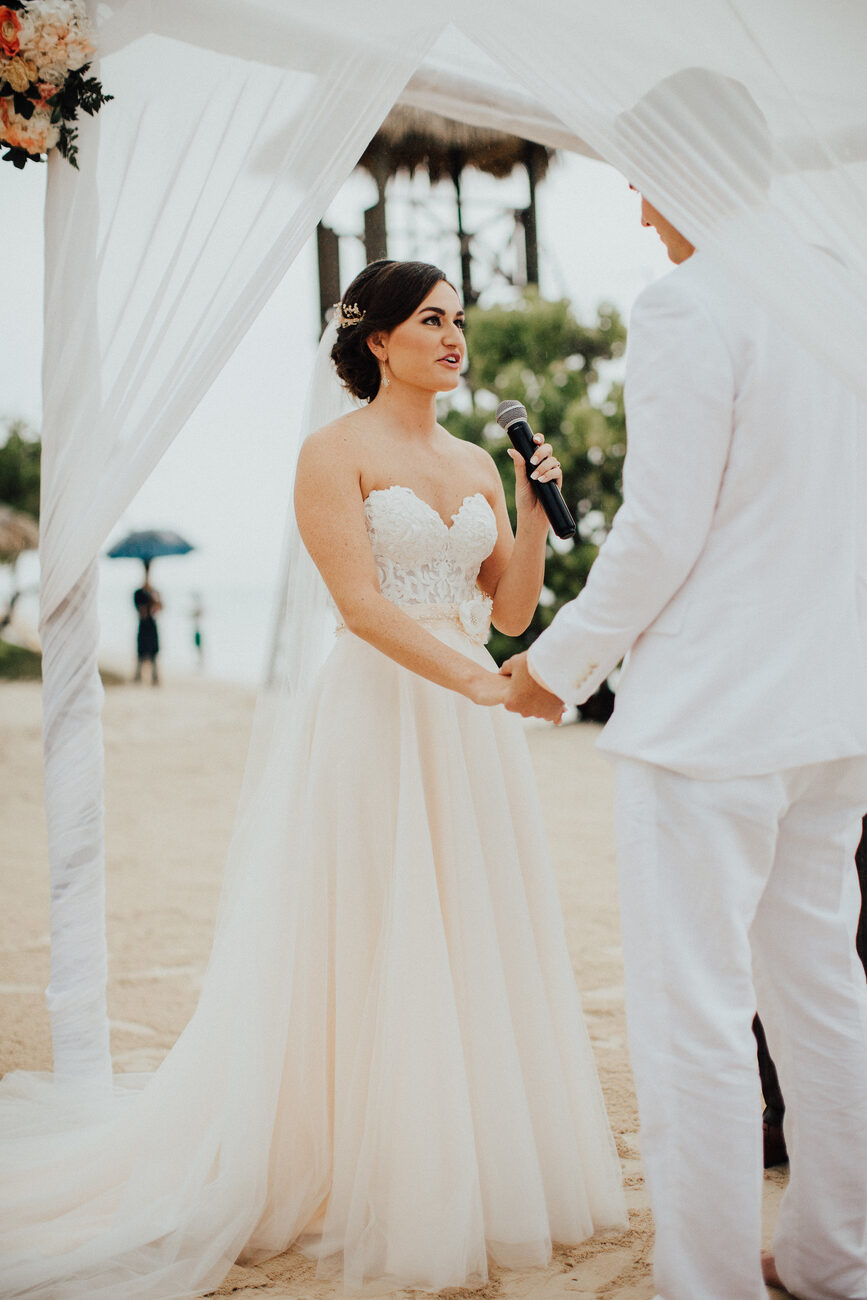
[[410, 139]]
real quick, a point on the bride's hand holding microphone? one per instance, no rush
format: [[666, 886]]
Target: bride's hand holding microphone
[[542, 482], [490, 688], [544, 468], [524, 694]]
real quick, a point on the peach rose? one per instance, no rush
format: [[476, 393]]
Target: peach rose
[[10, 26], [47, 90], [37, 135], [19, 72]]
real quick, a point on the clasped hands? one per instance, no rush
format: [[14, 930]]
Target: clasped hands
[[524, 695]]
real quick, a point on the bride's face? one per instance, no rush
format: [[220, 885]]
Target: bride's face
[[428, 349]]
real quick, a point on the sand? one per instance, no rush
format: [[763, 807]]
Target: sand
[[174, 759]]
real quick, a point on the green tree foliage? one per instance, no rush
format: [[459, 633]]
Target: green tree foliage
[[18, 664], [19, 467], [538, 353]]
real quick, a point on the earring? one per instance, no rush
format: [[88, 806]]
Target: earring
[[383, 377]]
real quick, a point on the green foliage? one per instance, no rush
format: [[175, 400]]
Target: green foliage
[[78, 92], [18, 664], [19, 468], [538, 353]]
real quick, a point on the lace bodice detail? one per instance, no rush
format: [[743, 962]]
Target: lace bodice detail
[[419, 558]]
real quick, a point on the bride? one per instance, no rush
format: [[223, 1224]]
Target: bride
[[388, 1066]]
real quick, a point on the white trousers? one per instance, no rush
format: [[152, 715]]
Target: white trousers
[[735, 894]]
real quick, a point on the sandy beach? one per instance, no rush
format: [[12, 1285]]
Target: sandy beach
[[174, 760]]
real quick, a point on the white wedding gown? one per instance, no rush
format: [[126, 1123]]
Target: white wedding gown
[[436, 1103]]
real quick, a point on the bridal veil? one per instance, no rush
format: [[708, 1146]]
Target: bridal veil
[[154, 1187]]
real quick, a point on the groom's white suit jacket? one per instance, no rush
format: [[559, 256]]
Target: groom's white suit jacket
[[735, 573]]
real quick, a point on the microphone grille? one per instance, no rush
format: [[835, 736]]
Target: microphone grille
[[509, 411]]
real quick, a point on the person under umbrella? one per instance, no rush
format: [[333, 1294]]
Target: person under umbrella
[[148, 603], [146, 546]]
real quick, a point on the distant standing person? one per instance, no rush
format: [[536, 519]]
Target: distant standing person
[[148, 604], [196, 614]]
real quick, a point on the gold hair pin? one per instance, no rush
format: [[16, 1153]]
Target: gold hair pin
[[348, 313]]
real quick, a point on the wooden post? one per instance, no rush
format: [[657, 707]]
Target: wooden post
[[468, 292], [328, 257], [528, 215], [378, 163], [375, 230]]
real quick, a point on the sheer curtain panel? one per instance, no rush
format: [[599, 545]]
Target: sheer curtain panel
[[743, 121], [195, 193]]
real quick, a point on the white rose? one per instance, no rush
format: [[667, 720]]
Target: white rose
[[55, 73], [475, 618]]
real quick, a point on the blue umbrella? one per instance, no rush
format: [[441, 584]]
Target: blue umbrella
[[148, 544]]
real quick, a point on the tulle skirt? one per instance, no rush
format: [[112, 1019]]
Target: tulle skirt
[[389, 1068], [442, 1095]]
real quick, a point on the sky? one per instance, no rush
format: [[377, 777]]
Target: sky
[[224, 482]]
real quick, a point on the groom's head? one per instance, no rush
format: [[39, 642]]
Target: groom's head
[[677, 245], [703, 135]]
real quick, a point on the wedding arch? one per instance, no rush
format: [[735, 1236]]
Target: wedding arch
[[233, 126]]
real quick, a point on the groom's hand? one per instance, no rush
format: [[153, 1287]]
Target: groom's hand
[[526, 696]]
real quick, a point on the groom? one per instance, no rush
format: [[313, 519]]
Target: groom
[[734, 576]]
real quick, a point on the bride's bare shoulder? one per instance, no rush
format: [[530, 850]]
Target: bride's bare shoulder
[[473, 459], [341, 438]]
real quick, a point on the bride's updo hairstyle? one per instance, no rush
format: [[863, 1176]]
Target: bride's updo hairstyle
[[381, 297]]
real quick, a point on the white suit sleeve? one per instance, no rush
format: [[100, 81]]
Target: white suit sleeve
[[679, 397]]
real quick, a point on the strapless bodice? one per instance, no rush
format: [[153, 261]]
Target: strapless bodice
[[420, 559]]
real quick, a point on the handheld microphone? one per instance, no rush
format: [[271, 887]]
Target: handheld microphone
[[512, 417]]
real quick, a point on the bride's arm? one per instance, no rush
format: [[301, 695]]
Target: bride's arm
[[515, 570], [330, 514]]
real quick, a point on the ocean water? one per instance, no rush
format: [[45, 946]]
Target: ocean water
[[235, 621], [235, 627]]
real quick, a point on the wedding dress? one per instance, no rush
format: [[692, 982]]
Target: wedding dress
[[447, 1084], [388, 1064]]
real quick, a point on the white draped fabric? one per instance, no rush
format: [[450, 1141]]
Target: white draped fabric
[[194, 198], [234, 124]]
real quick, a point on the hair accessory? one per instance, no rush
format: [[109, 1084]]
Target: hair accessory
[[348, 313]]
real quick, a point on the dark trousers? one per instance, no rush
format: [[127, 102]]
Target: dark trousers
[[774, 1103]]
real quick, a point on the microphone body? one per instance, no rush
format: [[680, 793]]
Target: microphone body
[[512, 417]]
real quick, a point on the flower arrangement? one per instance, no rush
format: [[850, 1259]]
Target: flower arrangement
[[45, 48]]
